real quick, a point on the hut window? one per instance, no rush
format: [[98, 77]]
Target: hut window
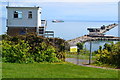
[[30, 14], [17, 14]]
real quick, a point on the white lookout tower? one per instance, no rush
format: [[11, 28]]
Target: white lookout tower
[[22, 20]]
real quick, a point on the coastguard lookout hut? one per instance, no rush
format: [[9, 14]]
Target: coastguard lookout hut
[[22, 20]]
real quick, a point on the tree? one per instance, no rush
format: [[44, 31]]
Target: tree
[[80, 46], [100, 48]]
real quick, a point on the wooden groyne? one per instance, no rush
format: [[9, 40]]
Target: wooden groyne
[[88, 38], [79, 40]]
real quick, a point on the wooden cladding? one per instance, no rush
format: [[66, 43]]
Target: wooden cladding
[[14, 31]]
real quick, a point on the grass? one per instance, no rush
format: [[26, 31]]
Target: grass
[[54, 70], [0, 71], [80, 56]]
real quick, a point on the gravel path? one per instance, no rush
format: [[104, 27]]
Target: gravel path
[[83, 63], [77, 61]]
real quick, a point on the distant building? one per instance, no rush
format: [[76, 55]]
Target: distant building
[[22, 20]]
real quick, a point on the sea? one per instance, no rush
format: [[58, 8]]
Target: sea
[[72, 29]]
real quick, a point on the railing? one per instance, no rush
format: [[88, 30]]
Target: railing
[[49, 33]]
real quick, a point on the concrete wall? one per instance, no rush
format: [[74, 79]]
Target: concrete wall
[[24, 21]]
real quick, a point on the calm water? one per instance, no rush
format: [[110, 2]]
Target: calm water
[[70, 30]]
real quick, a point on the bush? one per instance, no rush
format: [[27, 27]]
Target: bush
[[15, 53], [31, 48], [110, 54]]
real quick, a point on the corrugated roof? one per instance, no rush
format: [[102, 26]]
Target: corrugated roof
[[22, 7]]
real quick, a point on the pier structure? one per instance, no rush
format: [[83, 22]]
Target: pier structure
[[95, 35], [100, 31]]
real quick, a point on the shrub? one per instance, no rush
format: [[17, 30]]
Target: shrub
[[31, 48], [15, 52], [110, 54]]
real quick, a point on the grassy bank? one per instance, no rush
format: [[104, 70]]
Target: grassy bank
[[58, 70]]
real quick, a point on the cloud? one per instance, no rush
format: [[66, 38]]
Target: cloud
[[60, 1]]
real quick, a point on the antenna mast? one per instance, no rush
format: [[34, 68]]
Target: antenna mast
[[8, 3]]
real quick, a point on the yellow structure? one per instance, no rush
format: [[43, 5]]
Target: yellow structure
[[73, 49]]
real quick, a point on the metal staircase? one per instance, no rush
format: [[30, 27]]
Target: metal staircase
[[42, 30]]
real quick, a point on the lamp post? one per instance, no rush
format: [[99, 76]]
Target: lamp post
[[90, 56], [78, 52], [85, 50]]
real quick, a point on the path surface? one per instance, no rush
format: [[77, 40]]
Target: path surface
[[77, 61], [83, 63]]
